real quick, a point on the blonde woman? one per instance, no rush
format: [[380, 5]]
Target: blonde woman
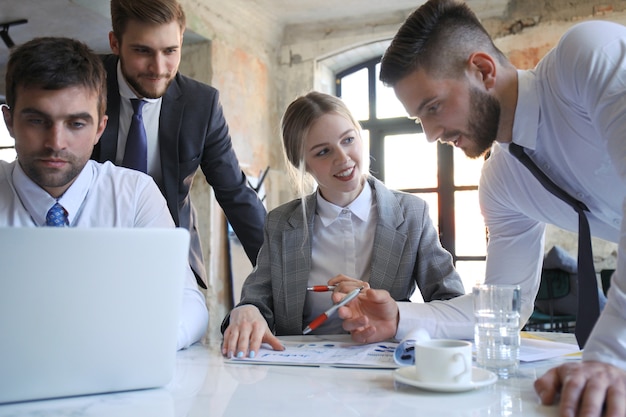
[[351, 231]]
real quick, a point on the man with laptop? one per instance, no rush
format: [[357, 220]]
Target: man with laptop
[[56, 102]]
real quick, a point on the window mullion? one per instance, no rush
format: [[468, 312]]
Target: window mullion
[[445, 177]]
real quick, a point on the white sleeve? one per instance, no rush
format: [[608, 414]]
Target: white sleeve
[[514, 257], [600, 78], [194, 314], [450, 319], [516, 242], [607, 342], [151, 207]]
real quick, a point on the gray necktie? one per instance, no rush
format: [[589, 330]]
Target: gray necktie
[[588, 304]]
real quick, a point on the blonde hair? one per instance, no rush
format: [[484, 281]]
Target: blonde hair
[[300, 115]]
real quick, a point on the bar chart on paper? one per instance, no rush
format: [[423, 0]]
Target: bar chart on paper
[[326, 353]]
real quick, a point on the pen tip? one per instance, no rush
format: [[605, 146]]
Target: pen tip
[[307, 330]]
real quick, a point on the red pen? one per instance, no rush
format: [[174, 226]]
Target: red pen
[[324, 316], [321, 288]]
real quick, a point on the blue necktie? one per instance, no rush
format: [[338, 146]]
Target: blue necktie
[[57, 216], [588, 305], [136, 152]]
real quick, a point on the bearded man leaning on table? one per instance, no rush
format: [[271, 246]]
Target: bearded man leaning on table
[[570, 113]]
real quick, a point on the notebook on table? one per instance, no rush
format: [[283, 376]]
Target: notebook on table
[[86, 311]]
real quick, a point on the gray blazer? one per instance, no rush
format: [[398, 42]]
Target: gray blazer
[[407, 254]]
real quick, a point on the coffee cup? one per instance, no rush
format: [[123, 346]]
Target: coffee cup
[[443, 361]]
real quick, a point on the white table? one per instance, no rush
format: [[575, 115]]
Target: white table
[[206, 386]]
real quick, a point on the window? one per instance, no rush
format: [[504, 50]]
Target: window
[[402, 158]]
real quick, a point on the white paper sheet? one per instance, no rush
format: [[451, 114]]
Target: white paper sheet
[[534, 349], [341, 353], [326, 353]]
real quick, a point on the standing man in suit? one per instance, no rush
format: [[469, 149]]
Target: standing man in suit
[[183, 121]]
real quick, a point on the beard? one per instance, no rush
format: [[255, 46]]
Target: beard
[[484, 121], [135, 83], [47, 177]]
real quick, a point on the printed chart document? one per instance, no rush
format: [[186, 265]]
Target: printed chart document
[[340, 351], [320, 352], [537, 348]]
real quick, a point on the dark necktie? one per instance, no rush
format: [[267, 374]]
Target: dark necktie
[[136, 152], [588, 304], [57, 216]]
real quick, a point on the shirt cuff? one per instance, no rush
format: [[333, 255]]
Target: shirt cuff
[[449, 319]]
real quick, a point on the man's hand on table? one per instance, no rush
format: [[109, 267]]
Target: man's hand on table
[[586, 389]]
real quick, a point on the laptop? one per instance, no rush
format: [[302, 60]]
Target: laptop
[[87, 311]]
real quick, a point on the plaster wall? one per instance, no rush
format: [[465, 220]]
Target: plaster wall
[[237, 59]]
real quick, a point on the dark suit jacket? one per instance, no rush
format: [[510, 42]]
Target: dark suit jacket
[[193, 133], [407, 255]]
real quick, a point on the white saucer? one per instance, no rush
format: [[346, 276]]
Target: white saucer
[[480, 378]]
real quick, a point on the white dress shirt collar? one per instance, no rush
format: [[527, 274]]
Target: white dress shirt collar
[[526, 120], [37, 201], [360, 207]]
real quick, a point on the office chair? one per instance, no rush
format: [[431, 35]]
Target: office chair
[[605, 277], [555, 284]]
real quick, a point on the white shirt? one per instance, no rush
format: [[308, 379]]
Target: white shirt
[[150, 112], [342, 243], [571, 115], [102, 195]]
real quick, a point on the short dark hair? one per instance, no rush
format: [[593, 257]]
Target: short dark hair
[[54, 63], [145, 11], [438, 37]]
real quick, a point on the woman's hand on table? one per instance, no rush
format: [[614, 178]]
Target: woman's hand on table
[[245, 333], [586, 389]]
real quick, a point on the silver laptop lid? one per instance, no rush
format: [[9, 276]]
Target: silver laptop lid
[[86, 311]]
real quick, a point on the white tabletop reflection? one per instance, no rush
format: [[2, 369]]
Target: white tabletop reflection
[[204, 385]]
